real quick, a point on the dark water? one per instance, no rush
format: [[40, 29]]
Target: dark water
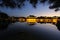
[[23, 31]]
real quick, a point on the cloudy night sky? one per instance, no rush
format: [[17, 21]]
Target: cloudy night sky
[[28, 9]]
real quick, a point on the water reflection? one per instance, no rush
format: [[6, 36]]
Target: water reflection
[[5, 24], [28, 31], [37, 30]]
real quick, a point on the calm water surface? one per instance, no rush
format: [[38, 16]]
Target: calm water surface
[[39, 31]]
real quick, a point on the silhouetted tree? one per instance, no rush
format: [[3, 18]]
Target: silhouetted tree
[[3, 15], [11, 3], [54, 4]]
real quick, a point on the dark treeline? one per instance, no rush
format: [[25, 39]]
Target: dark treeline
[[4, 23], [3, 15]]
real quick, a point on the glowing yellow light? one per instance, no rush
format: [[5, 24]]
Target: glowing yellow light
[[55, 20], [41, 20], [30, 20]]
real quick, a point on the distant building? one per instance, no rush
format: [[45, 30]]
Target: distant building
[[48, 19], [31, 19], [40, 19], [22, 19]]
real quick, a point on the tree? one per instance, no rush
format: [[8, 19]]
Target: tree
[[3, 15], [54, 4]]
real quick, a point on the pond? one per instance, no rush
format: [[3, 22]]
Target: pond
[[24, 31]]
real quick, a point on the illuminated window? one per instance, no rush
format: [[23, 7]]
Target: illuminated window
[[54, 20], [21, 20], [41, 20], [31, 20]]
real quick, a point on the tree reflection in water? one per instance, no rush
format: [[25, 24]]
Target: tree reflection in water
[[4, 25], [58, 25]]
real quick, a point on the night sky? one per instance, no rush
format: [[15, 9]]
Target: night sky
[[28, 9]]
